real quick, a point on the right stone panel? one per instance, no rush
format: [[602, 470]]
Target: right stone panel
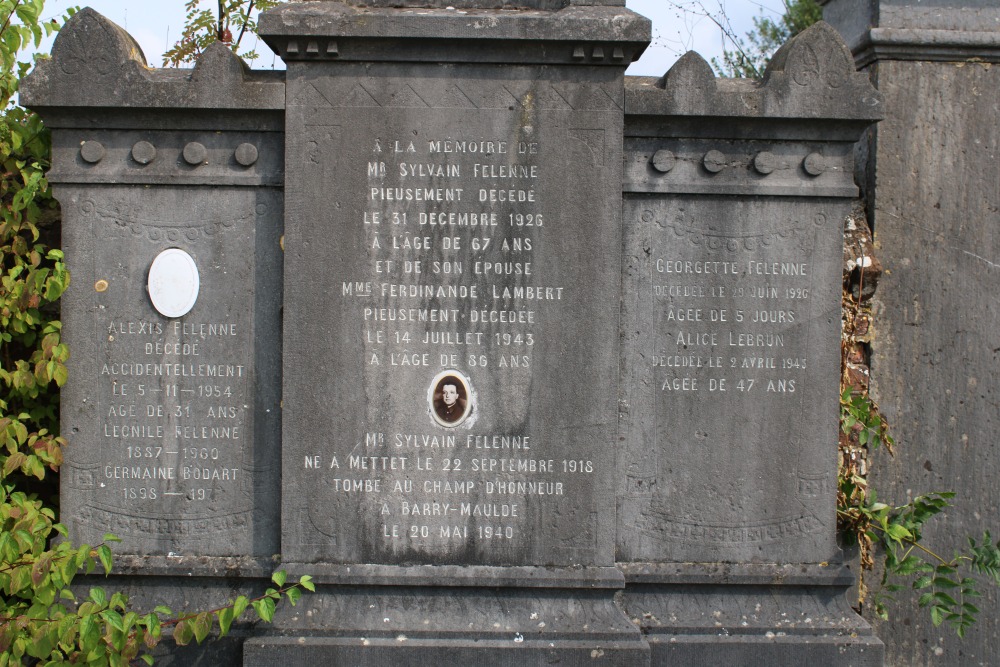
[[731, 324], [735, 200]]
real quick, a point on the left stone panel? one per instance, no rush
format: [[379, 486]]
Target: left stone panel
[[170, 185], [168, 424]]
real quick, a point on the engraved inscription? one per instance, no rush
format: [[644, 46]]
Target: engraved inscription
[[173, 398], [174, 403], [735, 347], [454, 223], [452, 276]]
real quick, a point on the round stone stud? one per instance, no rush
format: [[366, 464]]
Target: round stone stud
[[143, 152], [714, 161], [663, 161], [246, 154], [814, 164], [764, 163], [195, 153], [92, 151]]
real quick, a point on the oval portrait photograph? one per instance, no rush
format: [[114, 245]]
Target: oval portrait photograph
[[449, 396]]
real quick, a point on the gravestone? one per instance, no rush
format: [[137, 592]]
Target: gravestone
[[172, 404], [453, 181], [372, 318], [735, 196]]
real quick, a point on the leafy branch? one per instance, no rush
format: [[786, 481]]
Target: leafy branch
[[947, 586], [947, 590], [200, 625], [203, 27]]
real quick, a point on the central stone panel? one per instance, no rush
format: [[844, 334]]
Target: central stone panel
[[446, 271], [452, 305]]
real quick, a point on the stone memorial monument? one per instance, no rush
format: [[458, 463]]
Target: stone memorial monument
[[519, 360]]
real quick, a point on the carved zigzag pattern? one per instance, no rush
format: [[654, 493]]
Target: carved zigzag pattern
[[438, 94]]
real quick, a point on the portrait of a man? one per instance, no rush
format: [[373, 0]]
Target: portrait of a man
[[450, 400]]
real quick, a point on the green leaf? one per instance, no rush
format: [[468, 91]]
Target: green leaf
[[114, 619], [202, 625], [305, 581], [279, 578], [60, 374], [98, 596], [898, 532], [226, 617], [239, 606], [945, 582], [945, 599], [265, 609], [183, 633], [104, 554]]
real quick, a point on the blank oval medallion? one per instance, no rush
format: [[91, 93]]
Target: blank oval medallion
[[173, 283]]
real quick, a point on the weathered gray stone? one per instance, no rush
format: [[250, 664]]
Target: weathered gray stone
[[457, 470], [933, 197], [476, 156], [581, 33], [93, 50], [730, 359], [174, 422], [945, 30]]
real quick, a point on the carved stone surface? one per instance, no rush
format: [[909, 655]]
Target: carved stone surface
[[730, 358], [933, 196], [91, 48], [174, 421], [577, 32], [471, 202], [488, 434], [948, 30], [739, 316]]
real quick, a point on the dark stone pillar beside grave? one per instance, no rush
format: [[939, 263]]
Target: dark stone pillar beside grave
[[173, 422], [453, 225], [933, 193], [735, 196]]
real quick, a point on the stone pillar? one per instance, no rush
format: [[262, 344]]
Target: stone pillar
[[451, 316], [171, 190], [735, 197], [933, 195]]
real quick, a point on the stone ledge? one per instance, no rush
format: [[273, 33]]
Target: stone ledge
[[578, 34]]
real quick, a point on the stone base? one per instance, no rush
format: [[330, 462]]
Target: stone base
[[368, 625], [290, 651], [778, 616], [790, 651]]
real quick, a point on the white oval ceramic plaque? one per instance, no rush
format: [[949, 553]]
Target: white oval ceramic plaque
[[173, 283]]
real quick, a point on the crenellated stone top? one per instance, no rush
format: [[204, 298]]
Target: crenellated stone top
[[95, 63], [811, 77], [790, 134]]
